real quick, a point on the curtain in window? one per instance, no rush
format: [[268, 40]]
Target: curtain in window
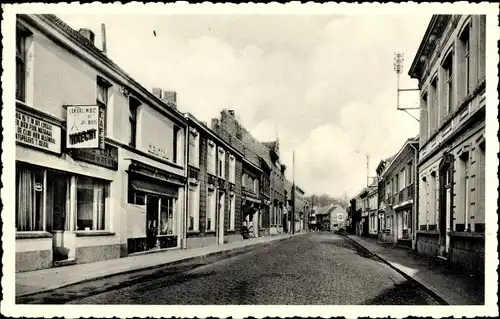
[[25, 201]]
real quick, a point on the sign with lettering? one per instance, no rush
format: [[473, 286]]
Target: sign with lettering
[[84, 127], [37, 133], [107, 157]]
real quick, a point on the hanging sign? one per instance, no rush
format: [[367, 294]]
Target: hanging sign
[[38, 187], [37, 133], [85, 127]]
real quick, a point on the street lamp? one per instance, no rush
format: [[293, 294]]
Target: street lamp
[[398, 68]]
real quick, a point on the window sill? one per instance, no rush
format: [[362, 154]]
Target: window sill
[[32, 234], [91, 233], [428, 232], [467, 234]]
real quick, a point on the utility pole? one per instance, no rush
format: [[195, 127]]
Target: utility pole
[[292, 223]]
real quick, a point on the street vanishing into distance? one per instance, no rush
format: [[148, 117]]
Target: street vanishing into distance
[[314, 268]]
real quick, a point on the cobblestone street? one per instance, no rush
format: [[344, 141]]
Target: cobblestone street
[[316, 268]]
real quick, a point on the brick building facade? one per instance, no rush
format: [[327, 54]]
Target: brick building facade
[[214, 197], [265, 155]]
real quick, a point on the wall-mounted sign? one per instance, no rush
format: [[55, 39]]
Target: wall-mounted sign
[[160, 152], [37, 133], [107, 157], [85, 127], [38, 187]]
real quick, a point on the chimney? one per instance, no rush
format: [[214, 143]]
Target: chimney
[[169, 97], [157, 92], [87, 34], [231, 112], [103, 36], [215, 122]]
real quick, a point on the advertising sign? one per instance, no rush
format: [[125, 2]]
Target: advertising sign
[[37, 133], [107, 157], [84, 127]]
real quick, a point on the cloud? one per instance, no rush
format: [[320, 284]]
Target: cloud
[[324, 83]]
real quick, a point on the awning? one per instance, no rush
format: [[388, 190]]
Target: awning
[[153, 188]]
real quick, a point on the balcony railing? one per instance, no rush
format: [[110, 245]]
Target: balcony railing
[[405, 195]]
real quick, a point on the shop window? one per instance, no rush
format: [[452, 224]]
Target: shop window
[[166, 218], [29, 205], [91, 197], [136, 197]]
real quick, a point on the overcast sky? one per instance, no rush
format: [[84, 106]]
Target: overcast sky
[[323, 83]]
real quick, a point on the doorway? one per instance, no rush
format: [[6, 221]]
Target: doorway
[[220, 216], [57, 186], [152, 209]]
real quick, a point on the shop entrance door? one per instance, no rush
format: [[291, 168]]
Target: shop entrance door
[[57, 206], [220, 217], [152, 208]]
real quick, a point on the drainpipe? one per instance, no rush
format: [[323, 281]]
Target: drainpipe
[[415, 199], [186, 189]]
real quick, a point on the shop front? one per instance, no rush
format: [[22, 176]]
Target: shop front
[[154, 208], [250, 208], [64, 197]]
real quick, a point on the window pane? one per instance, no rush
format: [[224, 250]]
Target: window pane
[[90, 204], [29, 200], [102, 94], [84, 203]]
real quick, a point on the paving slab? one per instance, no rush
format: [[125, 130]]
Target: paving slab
[[453, 286]]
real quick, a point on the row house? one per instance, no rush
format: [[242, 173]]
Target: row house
[[397, 204], [266, 157], [100, 160], [451, 72], [214, 196], [371, 204]]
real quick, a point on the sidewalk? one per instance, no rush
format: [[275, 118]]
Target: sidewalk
[[453, 287], [33, 282]]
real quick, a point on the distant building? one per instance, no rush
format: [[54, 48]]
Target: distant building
[[451, 72], [398, 199]]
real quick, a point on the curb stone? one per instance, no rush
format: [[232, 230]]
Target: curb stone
[[422, 286], [224, 253]]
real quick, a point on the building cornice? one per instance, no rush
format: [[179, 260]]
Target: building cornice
[[429, 42]]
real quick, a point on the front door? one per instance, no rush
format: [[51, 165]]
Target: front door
[[57, 186], [446, 168], [220, 217]]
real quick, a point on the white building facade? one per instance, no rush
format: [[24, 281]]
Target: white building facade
[[100, 161], [450, 67]]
